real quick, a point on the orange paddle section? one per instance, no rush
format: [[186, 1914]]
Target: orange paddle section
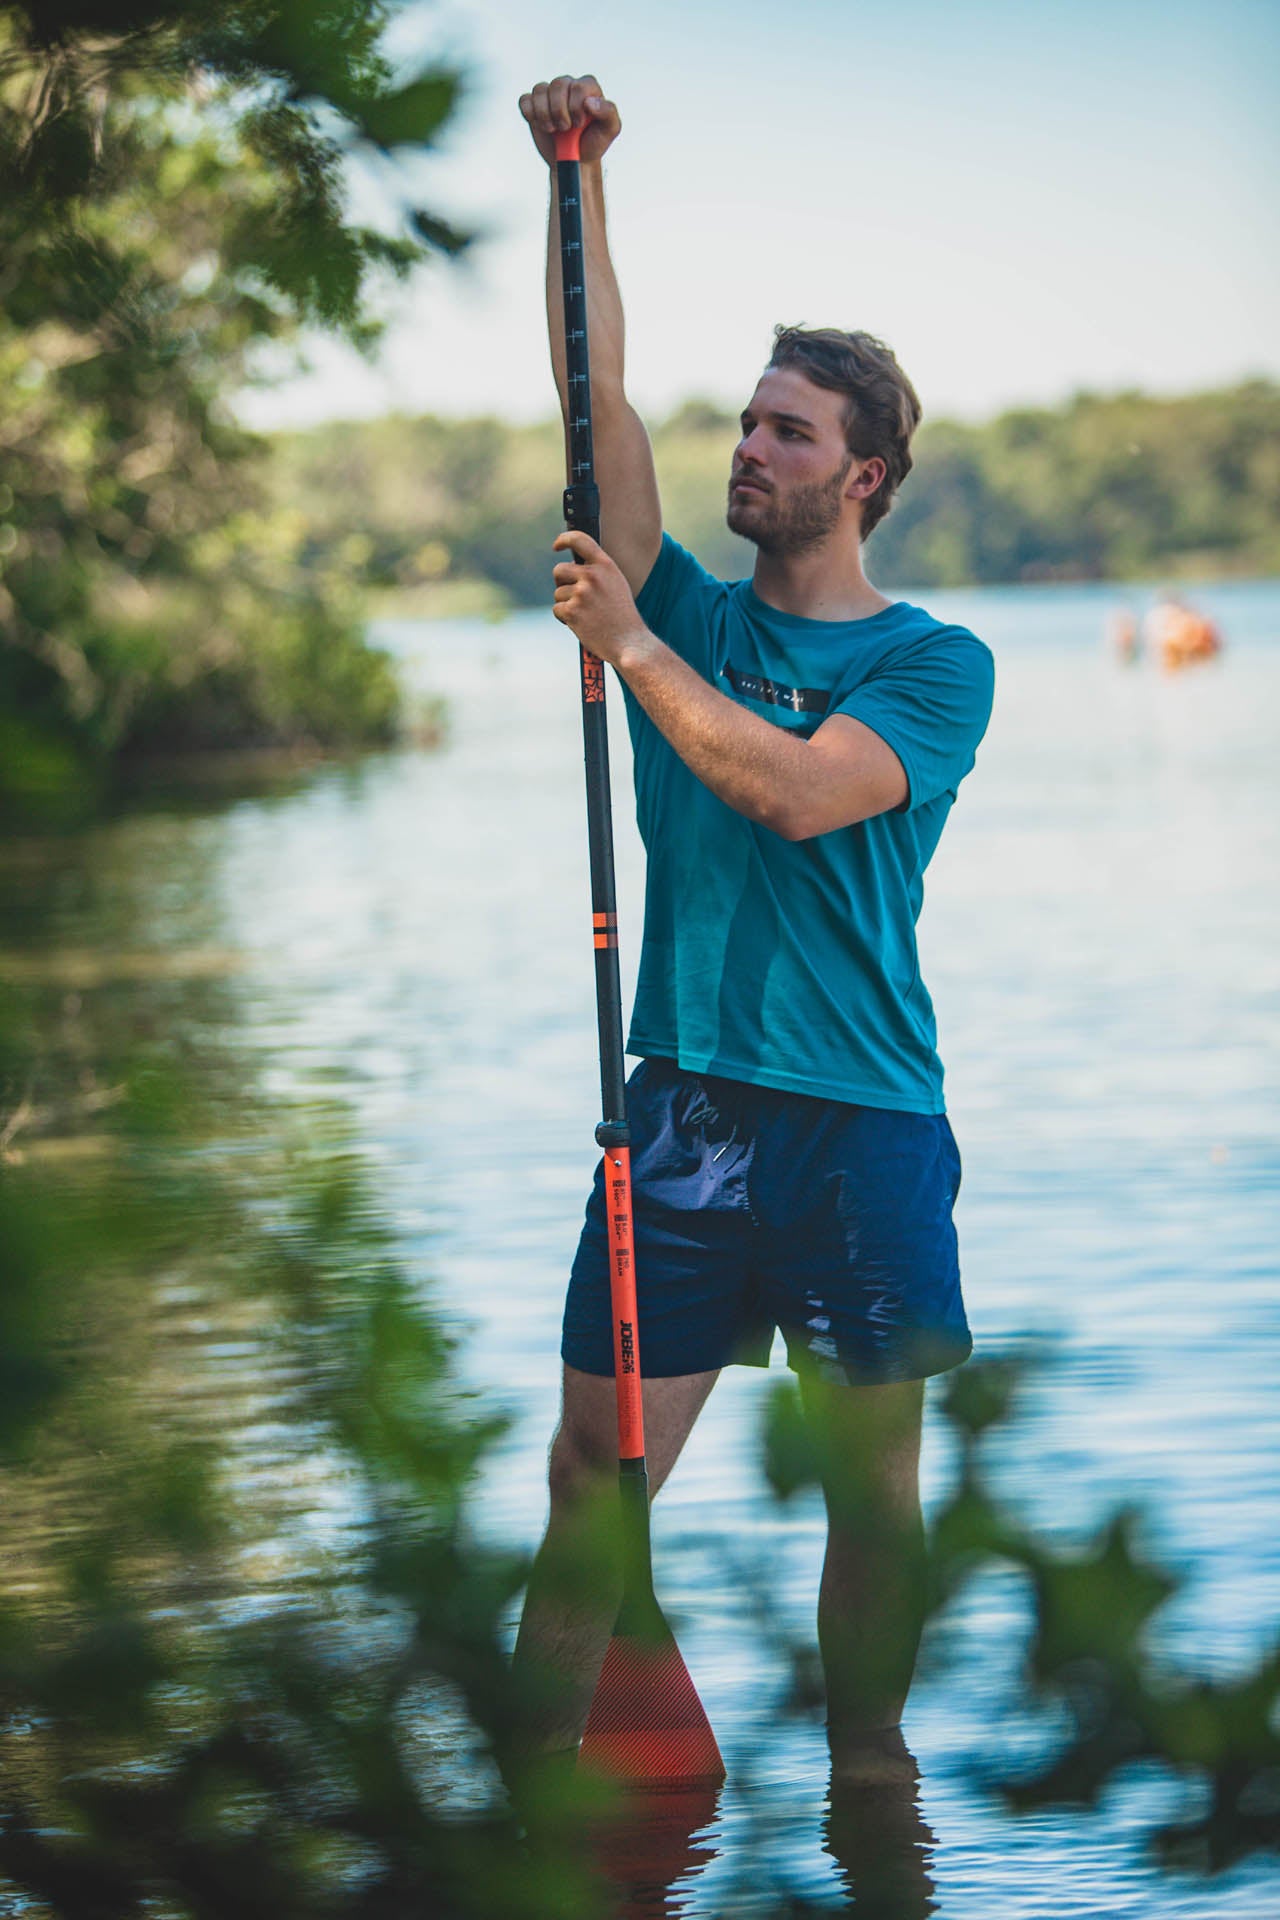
[[647, 1727], [622, 1285]]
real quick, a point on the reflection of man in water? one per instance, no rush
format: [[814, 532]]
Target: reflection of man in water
[[882, 1846], [872, 1831], [799, 739]]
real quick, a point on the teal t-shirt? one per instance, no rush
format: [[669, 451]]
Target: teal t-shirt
[[793, 964]]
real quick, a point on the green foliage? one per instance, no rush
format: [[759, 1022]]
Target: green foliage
[[174, 200], [1115, 487], [408, 503], [1102, 488]]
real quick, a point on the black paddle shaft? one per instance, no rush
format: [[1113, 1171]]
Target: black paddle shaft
[[644, 1685], [582, 512]]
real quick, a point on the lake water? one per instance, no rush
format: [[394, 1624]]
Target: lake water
[[1102, 940]]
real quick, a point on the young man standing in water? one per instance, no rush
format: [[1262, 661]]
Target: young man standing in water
[[799, 739]]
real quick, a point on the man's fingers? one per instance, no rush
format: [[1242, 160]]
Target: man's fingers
[[558, 102], [585, 98], [579, 543], [589, 103], [552, 106]]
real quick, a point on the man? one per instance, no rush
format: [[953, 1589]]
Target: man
[[798, 739]]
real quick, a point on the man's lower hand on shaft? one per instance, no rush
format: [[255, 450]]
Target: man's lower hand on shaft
[[592, 597]]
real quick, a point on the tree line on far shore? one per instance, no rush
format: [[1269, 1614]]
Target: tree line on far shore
[[438, 512]]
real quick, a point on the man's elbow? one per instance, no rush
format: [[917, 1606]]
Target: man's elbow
[[799, 819], [609, 402], [796, 820]]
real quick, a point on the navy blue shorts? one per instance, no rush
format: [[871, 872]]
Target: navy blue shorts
[[756, 1209]]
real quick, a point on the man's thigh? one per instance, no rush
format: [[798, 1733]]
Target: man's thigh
[[868, 1441]]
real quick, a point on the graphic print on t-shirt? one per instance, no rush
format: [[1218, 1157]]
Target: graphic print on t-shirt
[[752, 686]]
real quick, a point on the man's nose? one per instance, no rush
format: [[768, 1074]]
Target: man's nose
[[749, 447]]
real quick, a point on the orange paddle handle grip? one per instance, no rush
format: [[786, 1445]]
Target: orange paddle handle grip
[[569, 143], [622, 1290]]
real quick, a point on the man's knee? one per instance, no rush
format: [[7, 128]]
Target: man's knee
[[868, 1444], [584, 1452], [580, 1464]]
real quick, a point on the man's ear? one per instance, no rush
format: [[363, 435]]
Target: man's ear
[[864, 477]]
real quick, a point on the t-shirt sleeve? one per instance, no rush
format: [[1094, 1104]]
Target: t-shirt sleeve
[[931, 704], [675, 601]]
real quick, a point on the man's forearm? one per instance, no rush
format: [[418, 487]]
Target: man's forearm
[[842, 774], [771, 776]]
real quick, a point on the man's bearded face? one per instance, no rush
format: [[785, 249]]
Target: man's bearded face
[[786, 519]]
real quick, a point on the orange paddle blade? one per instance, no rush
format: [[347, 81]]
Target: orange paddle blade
[[647, 1728]]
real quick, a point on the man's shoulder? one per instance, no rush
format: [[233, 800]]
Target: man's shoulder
[[679, 584], [920, 627], [676, 562], [917, 640]]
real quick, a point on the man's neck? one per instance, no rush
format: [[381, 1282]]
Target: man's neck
[[820, 585]]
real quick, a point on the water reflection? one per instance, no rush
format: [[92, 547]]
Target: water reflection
[[654, 1852], [882, 1845], [651, 1848]]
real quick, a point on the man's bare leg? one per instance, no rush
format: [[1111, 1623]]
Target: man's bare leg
[[574, 1588], [871, 1601]]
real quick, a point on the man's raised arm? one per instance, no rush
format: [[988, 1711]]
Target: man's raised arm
[[630, 511]]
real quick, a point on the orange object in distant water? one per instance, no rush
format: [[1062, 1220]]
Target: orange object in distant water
[[1179, 636]]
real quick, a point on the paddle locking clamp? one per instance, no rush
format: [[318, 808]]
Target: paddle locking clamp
[[582, 508]]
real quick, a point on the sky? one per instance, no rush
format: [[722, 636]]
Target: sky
[[1023, 197]]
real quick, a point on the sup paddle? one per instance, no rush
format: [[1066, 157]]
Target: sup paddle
[[647, 1728]]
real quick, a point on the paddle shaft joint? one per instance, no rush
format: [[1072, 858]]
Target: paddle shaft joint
[[637, 1563], [582, 509]]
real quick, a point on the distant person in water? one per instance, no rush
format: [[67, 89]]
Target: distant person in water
[[799, 738], [1124, 637], [1179, 636]]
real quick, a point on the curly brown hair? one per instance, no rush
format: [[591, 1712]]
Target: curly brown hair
[[882, 409]]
